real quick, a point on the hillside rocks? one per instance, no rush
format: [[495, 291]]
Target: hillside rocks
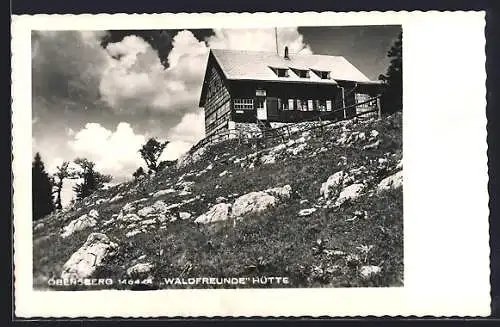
[[282, 192], [160, 207], [332, 182], [307, 212], [93, 214], [259, 201], [133, 233], [245, 204], [373, 145], [190, 158], [140, 270], [268, 159], [184, 215], [252, 202], [146, 211], [130, 217], [163, 192], [369, 271], [81, 223], [89, 257], [394, 181], [349, 193], [218, 212]]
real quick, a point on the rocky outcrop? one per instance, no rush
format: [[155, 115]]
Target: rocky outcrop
[[89, 257], [349, 193], [81, 223], [140, 270], [248, 130], [331, 183], [307, 212], [164, 192], [252, 202], [369, 271], [283, 192], [130, 217], [394, 181], [190, 158], [146, 211], [218, 212]]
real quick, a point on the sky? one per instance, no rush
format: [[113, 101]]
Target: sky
[[102, 94]]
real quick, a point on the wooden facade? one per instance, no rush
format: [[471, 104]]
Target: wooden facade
[[250, 101]]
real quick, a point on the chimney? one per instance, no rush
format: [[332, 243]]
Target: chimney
[[286, 54]]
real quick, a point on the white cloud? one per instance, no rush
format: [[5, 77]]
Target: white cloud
[[114, 152], [259, 40], [190, 129], [175, 149], [138, 81], [117, 152]]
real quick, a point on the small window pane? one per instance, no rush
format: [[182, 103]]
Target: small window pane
[[310, 105], [328, 105], [246, 104]]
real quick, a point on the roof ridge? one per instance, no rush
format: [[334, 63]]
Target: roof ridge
[[272, 52]]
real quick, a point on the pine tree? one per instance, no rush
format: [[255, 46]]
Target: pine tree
[[92, 179], [63, 172], [392, 99], [41, 189], [151, 152]]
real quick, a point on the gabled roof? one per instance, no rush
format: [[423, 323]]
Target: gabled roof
[[257, 65]]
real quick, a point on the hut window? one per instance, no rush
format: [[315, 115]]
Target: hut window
[[328, 105], [321, 105], [302, 73], [310, 105], [303, 105], [299, 104], [322, 74], [246, 104], [280, 72], [290, 104], [285, 104]]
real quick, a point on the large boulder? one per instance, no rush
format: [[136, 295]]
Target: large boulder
[[332, 182], [89, 257], [349, 193], [218, 212], [252, 202], [394, 181], [283, 192], [79, 224]]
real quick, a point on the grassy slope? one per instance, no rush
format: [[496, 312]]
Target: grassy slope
[[277, 242]]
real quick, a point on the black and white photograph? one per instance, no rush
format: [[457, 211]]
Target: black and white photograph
[[250, 165], [217, 158]]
